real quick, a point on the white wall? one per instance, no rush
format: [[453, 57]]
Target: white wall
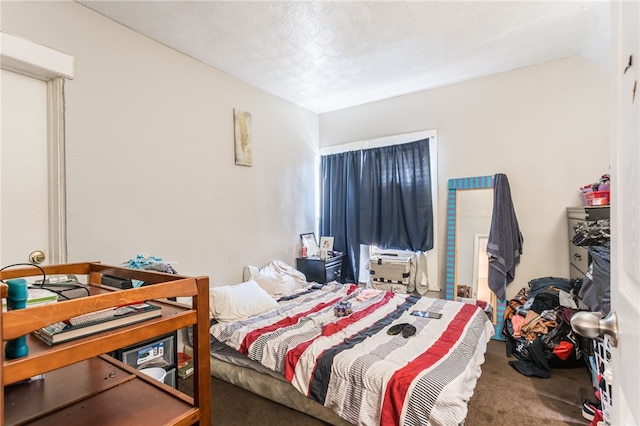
[[150, 159], [546, 127]]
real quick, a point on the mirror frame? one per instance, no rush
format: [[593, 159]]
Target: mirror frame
[[454, 185]]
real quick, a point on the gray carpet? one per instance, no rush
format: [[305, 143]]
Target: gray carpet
[[503, 397]]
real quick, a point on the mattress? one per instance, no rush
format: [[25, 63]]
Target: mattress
[[352, 366]]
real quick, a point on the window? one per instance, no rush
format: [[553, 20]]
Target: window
[[432, 264]]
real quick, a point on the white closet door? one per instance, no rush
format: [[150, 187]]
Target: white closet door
[[23, 168]]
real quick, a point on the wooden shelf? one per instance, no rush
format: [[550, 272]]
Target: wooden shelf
[[83, 384]]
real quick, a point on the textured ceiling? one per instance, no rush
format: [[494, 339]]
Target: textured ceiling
[[329, 55]]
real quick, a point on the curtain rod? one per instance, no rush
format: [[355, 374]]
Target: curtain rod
[[379, 142]]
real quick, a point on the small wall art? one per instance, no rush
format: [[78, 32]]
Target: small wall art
[[242, 136]]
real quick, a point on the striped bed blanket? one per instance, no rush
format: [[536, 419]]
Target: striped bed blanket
[[353, 366]]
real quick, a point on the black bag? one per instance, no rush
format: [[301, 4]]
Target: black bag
[[560, 346]]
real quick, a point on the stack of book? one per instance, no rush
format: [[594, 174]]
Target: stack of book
[[185, 365], [96, 322]]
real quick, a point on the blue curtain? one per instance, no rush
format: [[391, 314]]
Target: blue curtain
[[396, 210], [378, 196], [339, 200]]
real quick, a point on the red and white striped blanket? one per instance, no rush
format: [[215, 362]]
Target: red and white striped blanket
[[351, 365]]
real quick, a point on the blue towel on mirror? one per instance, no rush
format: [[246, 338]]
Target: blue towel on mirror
[[504, 245]]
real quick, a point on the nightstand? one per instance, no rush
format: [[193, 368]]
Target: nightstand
[[319, 270]]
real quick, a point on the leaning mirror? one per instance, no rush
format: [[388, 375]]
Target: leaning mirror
[[469, 209]]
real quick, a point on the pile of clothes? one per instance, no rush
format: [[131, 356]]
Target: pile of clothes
[[537, 327], [151, 263]]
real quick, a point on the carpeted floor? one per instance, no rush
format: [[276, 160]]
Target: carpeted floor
[[503, 397]]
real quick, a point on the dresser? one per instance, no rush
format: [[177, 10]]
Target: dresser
[[599, 352]]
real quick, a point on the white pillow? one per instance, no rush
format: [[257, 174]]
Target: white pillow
[[248, 271], [240, 301], [279, 279]]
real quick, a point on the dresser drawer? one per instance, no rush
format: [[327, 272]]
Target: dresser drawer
[[579, 258], [332, 262], [575, 273], [334, 271]]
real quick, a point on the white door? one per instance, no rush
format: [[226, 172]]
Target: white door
[[23, 168], [625, 212], [32, 186]]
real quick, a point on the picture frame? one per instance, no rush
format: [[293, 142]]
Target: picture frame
[[326, 243], [243, 144], [309, 241]]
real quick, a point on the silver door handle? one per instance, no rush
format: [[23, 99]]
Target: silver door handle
[[37, 257], [593, 326]]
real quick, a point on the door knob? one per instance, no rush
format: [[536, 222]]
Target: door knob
[[593, 326], [37, 257]]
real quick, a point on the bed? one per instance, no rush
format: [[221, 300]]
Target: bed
[[345, 367]]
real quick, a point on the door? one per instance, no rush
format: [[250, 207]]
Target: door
[[32, 186], [23, 168], [625, 212]]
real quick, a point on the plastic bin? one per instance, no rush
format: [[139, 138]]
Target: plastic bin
[[156, 354], [596, 198]]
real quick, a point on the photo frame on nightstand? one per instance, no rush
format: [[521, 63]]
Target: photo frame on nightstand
[[309, 241], [326, 243]]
